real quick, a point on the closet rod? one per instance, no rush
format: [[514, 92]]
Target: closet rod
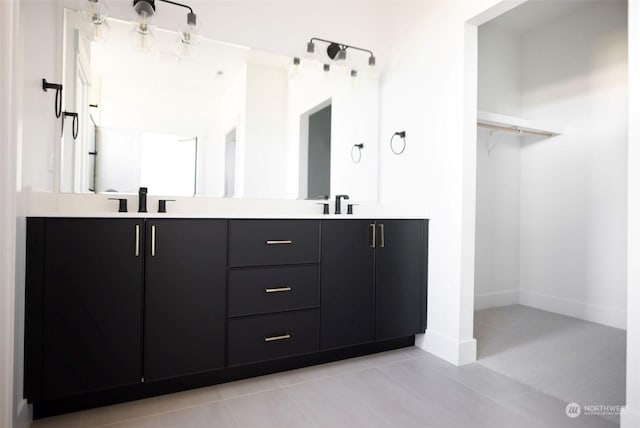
[[515, 130]]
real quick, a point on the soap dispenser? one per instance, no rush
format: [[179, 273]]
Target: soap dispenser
[[142, 200]]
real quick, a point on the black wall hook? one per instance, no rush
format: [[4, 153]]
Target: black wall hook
[[75, 124], [58, 102]]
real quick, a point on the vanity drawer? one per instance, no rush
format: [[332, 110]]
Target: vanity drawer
[[273, 242], [269, 337], [273, 289]]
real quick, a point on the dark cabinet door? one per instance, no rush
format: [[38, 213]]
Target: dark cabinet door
[[185, 297], [92, 305], [347, 283], [401, 278]]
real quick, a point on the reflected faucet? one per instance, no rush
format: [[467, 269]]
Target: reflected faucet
[[338, 198]]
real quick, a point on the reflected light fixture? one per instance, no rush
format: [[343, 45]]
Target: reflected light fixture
[[338, 51], [142, 33], [95, 15]]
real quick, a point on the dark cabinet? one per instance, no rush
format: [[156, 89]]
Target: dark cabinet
[[274, 289], [91, 301], [347, 273], [401, 278], [185, 297], [374, 280], [125, 308], [273, 242], [266, 337]]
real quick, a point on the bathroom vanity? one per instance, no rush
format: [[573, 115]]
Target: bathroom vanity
[[129, 307]]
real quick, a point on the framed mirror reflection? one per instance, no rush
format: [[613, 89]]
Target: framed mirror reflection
[[220, 120]]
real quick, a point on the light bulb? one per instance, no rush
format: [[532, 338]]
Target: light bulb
[[189, 37], [186, 51], [142, 35], [98, 32], [95, 15], [96, 12], [294, 72]]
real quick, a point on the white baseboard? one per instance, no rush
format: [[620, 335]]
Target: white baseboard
[[447, 348], [23, 415], [605, 315], [497, 299]]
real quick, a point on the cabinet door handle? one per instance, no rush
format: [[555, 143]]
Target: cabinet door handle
[[274, 338], [153, 240], [137, 240], [381, 235], [373, 235], [277, 290], [283, 242]]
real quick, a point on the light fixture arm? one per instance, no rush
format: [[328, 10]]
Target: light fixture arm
[[177, 4], [342, 45], [191, 17]]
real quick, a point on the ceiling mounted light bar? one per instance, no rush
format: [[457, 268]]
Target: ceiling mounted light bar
[[338, 51]]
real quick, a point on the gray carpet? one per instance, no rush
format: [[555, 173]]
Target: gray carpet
[[566, 358]]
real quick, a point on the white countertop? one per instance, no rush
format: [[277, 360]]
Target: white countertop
[[49, 204]]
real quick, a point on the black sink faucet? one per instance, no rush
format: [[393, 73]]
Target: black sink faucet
[[142, 200], [338, 198]]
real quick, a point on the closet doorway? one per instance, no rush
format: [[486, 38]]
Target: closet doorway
[[551, 199]]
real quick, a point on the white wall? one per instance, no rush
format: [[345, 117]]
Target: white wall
[[632, 418], [499, 59], [574, 187], [265, 138], [497, 268], [428, 90], [497, 247]]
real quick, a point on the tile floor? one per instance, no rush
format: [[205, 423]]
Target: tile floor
[[566, 358], [400, 388]]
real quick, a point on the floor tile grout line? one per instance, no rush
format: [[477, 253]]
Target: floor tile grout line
[[299, 407], [481, 394], [233, 418], [83, 414], [362, 402]]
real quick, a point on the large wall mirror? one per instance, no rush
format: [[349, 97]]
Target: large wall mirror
[[223, 121]]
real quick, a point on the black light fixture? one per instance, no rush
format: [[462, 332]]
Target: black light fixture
[[143, 34], [338, 51]]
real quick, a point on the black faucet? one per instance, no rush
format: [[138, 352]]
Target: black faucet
[[338, 198], [142, 200]]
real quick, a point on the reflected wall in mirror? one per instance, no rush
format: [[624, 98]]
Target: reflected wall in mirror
[[227, 122]]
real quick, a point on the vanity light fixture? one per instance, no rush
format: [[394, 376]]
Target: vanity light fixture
[[338, 51], [95, 15], [142, 33]]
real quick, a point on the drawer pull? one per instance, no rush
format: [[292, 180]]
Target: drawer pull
[[274, 338], [137, 240], [153, 240], [284, 242], [373, 235], [277, 290]]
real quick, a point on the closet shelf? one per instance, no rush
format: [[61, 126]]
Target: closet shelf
[[515, 125]]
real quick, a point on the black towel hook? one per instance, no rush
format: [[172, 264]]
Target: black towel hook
[[58, 102], [75, 124]]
